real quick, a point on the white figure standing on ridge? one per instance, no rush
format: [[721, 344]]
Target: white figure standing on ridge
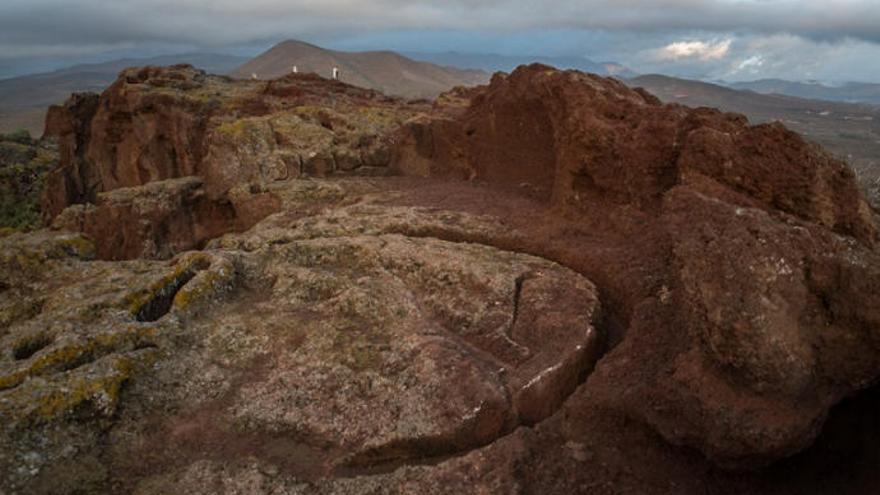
[[295, 70], [336, 73], [254, 76]]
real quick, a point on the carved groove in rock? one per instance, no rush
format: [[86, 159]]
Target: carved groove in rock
[[31, 346], [160, 301]]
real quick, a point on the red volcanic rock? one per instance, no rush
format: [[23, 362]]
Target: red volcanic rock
[[587, 281], [778, 331], [763, 313], [155, 124], [73, 182], [574, 136], [140, 136], [162, 219]]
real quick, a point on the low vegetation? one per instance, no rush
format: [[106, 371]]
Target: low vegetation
[[24, 163]]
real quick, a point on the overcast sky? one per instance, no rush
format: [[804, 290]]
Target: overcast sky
[[832, 40]]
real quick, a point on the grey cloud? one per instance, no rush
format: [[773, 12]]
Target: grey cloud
[[785, 38], [207, 22]]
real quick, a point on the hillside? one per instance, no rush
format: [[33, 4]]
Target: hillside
[[25, 99], [385, 71], [851, 131], [492, 62], [853, 92]]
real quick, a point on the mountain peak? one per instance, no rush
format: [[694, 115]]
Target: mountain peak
[[384, 71]]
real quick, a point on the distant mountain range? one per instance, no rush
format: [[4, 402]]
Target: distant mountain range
[[385, 71], [851, 131], [506, 63], [849, 92], [24, 99]]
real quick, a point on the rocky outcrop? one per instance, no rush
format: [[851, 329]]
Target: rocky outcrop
[[579, 138], [73, 181], [164, 218], [780, 329], [162, 123], [155, 124], [584, 291], [763, 235]]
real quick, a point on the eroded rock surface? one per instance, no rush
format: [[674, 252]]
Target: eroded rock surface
[[583, 291], [578, 139], [756, 227], [164, 218], [157, 124], [361, 348]]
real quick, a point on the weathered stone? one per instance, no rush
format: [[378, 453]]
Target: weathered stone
[[436, 335], [164, 218], [748, 214]]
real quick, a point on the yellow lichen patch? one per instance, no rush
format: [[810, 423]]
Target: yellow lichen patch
[[235, 128], [310, 111], [303, 132], [103, 390], [69, 355], [32, 254], [78, 246], [99, 385], [207, 283], [23, 261], [185, 268], [379, 116]]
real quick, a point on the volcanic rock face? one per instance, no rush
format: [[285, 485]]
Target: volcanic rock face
[[156, 124], [762, 233], [612, 279], [163, 218], [578, 137]]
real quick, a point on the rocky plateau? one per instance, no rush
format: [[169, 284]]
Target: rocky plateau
[[549, 284]]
